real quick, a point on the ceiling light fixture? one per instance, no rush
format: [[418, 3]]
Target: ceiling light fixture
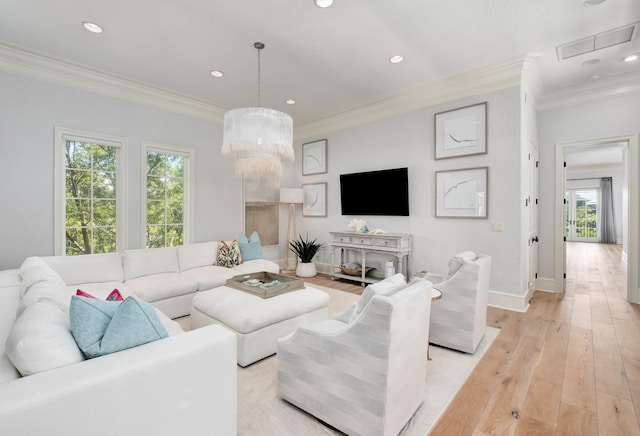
[[217, 73], [631, 57], [323, 3], [291, 101], [591, 62], [396, 59], [258, 137], [592, 2], [91, 27]]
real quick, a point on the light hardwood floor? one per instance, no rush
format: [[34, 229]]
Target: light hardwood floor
[[570, 365]]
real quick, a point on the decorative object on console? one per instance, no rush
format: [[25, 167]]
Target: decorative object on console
[[258, 137], [314, 157], [315, 199], [462, 193], [358, 225], [461, 132], [305, 249], [229, 254], [292, 196]]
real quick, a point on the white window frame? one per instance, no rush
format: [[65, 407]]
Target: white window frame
[[62, 135], [189, 155]]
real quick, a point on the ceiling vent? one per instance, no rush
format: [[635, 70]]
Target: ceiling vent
[[598, 41]]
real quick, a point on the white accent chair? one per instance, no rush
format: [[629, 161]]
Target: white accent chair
[[459, 319], [365, 376]]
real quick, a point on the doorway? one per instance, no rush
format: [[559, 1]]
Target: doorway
[[630, 198], [582, 215]]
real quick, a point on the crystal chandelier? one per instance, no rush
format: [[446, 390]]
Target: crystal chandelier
[[257, 137]]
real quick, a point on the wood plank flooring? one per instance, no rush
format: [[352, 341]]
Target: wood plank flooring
[[570, 365]]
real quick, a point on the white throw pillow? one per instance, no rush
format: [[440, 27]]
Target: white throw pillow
[[41, 340], [457, 261], [33, 270], [385, 287]]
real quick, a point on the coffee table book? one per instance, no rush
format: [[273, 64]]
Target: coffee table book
[[259, 284]]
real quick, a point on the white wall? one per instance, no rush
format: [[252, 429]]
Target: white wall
[[407, 140], [611, 117], [29, 111]]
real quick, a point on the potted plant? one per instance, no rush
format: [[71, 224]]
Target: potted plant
[[305, 249]]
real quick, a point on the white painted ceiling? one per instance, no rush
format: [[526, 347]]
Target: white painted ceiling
[[330, 61]]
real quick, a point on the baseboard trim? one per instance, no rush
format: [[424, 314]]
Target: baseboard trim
[[548, 285], [502, 300]]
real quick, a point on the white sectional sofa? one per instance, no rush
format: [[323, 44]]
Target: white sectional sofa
[[183, 384]]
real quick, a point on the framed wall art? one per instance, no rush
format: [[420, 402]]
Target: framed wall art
[[315, 199], [314, 157], [462, 193], [461, 132]]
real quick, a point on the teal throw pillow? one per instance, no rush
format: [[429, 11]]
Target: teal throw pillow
[[103, 327], [251, 247]]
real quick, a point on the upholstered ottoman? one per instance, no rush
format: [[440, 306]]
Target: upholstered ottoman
[[258, 322]]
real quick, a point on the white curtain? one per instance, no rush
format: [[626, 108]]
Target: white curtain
[[607, 225]]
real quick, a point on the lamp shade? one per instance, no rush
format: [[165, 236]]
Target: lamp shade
[[291, 195], [258, 138]]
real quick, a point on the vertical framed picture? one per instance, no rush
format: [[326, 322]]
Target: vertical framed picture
[[314, 157], [461, 132], [315, 199], [462, 193]]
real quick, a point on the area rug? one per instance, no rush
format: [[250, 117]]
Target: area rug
[[261, 412]]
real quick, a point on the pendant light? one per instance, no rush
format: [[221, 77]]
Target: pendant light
[[257, 137]]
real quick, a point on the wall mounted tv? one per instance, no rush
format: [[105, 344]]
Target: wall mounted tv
[[384, 192]]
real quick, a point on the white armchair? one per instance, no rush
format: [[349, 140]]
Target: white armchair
[[365, 376], [459, 319]]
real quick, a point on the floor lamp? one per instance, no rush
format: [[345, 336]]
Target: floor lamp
[[292, 196]]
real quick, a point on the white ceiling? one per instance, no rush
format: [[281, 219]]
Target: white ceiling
[[331, 61]]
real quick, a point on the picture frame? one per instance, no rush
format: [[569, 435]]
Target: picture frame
[[462, 193], [315, 199], [461, 132], [314, 157]]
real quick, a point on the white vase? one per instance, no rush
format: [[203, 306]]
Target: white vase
[[306, 269]]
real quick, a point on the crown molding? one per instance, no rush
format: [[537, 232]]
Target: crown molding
[[620, 85], [494, 78], [36, 66]]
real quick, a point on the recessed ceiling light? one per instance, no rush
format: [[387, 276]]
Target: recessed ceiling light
[[591, 62], [592, 2], [291, 101], [631, 57], [216, 73], [91, 27], [595, 76], [323, 3], [396, 59]]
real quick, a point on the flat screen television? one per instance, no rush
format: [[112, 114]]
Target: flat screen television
[[384, 192]]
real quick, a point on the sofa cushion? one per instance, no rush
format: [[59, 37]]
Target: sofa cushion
[[196, 255], [210, 276], [228, 254], [256, 265], [10, 278], [149, 261], [9, 302], [251, 247], [105, 327], [160, 286], [384, 287], [101, 267], [49, 292], [41, 340], [34, 270]]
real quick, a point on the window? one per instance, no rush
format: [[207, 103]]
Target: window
[[88, 193], [262, 207], [167, 209]]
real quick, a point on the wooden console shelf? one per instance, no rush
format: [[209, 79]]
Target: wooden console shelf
[[396, 244]]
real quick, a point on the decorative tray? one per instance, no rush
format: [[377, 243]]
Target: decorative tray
[[355, 271], [265, 284]]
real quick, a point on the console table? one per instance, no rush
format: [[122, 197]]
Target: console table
[[397, 244]]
